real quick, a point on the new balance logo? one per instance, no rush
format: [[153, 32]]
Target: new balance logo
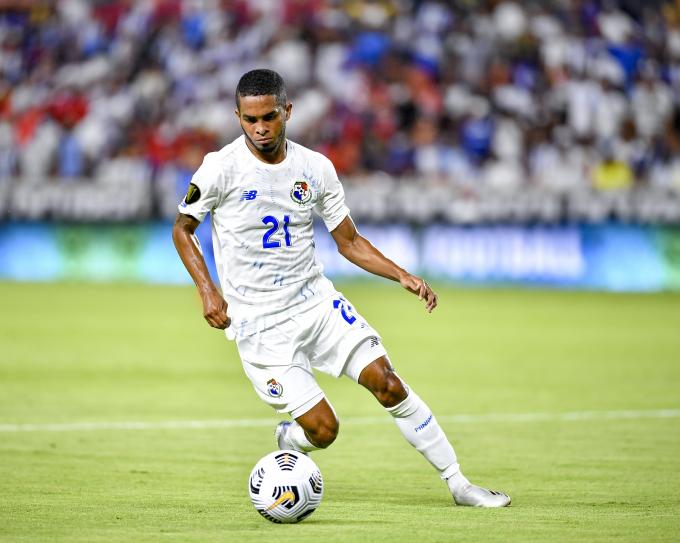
[[249, 195]]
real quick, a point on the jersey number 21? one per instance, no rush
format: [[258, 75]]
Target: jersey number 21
[[267, 243]]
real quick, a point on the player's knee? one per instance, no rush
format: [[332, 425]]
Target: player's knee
[[325, 433], [391, 390]]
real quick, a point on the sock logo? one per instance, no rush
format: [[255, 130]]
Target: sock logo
[[422, 426]]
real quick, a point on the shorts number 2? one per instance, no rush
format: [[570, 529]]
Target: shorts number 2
[[345, 309]]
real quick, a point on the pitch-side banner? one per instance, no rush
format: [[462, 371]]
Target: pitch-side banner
[[607, 257]]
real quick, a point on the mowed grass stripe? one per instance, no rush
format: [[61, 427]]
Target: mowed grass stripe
[[573, 416]]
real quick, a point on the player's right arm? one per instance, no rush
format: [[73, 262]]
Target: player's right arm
[[214, 305]]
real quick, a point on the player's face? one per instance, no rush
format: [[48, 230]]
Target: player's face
[[263, 121]]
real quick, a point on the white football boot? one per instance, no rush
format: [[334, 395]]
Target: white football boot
[[476, 496], [280, 434]]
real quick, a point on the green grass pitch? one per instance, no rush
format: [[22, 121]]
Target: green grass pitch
[[74, 353]]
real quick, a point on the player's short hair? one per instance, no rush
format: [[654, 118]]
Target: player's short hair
[[262, 82]]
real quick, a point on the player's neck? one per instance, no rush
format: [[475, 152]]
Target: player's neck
[[274, 157]]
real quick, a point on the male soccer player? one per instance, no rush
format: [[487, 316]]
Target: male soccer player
[[286, 317]]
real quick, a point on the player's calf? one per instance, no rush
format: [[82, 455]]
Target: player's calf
[[315, 429], [323, 435], [290, 435], [419, 426]]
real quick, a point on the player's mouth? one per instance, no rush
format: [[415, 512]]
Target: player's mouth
[[264, 141]]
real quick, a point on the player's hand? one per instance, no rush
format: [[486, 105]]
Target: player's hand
[[420, 288], [215, 310]]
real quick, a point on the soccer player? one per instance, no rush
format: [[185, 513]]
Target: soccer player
[[286, 316]]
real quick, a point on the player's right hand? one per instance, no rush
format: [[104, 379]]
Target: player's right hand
[[215, 311]]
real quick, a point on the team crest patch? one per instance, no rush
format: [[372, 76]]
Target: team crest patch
[[274, 389], [193, 194], [301, 193]]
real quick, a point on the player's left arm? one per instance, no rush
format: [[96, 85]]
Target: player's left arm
[[358, 250]]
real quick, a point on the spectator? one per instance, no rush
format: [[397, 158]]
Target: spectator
[[612, 173], [401, 86]]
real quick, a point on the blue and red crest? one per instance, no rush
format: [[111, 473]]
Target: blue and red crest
[[274, 389], [301, 192]]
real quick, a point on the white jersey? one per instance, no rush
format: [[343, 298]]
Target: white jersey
[[262, 229]]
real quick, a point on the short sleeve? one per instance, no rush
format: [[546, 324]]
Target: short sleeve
[[203, 191], [331, 205]]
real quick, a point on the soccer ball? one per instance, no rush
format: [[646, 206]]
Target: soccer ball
[[285, 486]]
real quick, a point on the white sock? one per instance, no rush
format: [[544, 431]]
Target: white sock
[[297, 440], [418, 425]]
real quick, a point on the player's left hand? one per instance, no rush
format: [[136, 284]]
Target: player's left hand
[[419, 287]]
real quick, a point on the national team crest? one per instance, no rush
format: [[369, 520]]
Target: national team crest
[[274, 389], [301, 193]]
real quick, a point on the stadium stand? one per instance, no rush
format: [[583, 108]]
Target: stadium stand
[[464, 111]]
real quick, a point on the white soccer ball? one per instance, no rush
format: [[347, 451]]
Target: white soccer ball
[[285, 486]]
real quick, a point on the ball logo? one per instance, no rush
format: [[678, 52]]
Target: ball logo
[[301, 193], [285, 496], [274, 389]]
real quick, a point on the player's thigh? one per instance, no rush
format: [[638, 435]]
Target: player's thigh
[[339, 330], [321, 417]]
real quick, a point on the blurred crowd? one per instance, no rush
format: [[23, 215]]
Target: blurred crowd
[[486, 94]]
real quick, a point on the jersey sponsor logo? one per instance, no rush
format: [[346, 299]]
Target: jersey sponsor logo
[[274, 389], [193, 194], [301, 193], [248, 195]]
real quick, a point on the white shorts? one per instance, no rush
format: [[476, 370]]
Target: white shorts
[[330, 337]]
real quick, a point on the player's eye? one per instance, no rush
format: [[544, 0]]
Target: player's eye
[[250, 120], [269, 116]]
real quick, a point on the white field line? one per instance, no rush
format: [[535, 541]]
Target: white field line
[[573, 416]]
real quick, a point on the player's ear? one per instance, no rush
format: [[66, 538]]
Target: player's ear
[[237, 113], [289, 107]]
